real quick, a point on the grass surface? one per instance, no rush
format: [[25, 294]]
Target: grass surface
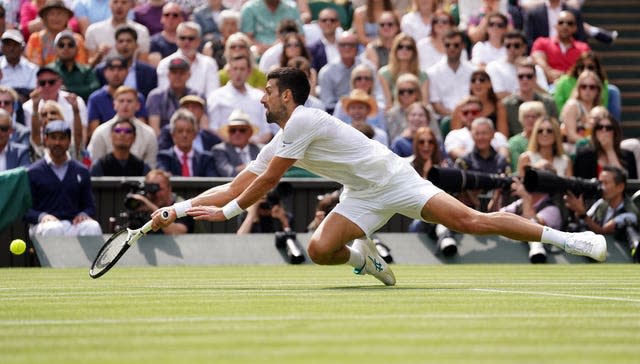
[[308, 314]]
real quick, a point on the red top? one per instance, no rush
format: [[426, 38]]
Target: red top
[[555, 57]]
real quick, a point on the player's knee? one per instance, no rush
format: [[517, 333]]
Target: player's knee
[[317, 253]]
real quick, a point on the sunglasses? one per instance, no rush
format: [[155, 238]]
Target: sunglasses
[[500, 25], [63, 45], [44, 114], [189, 38], [452, 45], [6, 102], [173, 15], [123, 130], [478, 80], [328, 20], [443, 21], [528, 76], [363, 78], [51, 82], [591, 87], [406, 91], [4, 128], [513, 45], [236, 46], [293, 45], [603, 127], [238, 130], [426, 141], [566, 22], [347, 45], [387, 25], [408, 47], [470, 112], [545, 130]]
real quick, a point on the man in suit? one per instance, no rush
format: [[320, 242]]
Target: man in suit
[[141, 75], [12, 155], [182, 159], [9, 103], [232, 156], [63, 203], [205, 139], [325, 50]]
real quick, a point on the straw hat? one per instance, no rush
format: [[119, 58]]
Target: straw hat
[[237, 118], [362, 97]]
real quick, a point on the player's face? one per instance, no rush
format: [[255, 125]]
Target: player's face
[[272, 101]]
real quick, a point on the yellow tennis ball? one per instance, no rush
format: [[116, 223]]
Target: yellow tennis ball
[[18, 246]]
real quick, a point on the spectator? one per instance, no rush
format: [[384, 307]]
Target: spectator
[[452, 70], [604, 151], [41, 48], [575, 112], [50, 110], [74, 110], [556, 55], [304, 65], [271, 57], [612, 212], [8, 102], [17, 71], [100, 36], [417, 21], [491, 107], [268, 215], [377, 52], [234, 154], [365, 19], [125, 104], [478, 22], [76, 77], [363, 78], [564, 86], [426, 152], [418, 116], [208, 16], [259, 19], [101, 102], [12, 155], [91, 11], [203, 69], [30, 19], [402, 59], [331, 77], [527, 91], [163, 44], [293, 44], [182, 159], [540, 20], [537, 206], [7, 20], [546, 143], [325, 49], [140, 75], [503, 73], [431, 49], [60, 189], [237, 91], [163, 102], [229, 24], [120, 161], [491, 49], [359, 105], [528, 113], [149, 14], [238, 45], [205, 139], [164, 196], [407, 92]]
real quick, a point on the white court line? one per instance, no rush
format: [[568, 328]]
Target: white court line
[[538, 293]]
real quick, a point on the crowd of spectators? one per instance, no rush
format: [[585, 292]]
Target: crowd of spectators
[[493, 86]]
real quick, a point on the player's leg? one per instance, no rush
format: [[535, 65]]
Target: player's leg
[[444, 209]]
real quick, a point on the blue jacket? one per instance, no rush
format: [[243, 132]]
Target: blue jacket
[[63, 199], [146, 77], [17, 155], [202, 163]]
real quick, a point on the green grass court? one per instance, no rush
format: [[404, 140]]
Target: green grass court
[[582, 313]]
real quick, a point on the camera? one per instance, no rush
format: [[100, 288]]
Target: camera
[[628, 230], [536, 180], [287, 243], [455, 180], [137, 188]]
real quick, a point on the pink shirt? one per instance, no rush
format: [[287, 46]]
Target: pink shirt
[[556, 58]]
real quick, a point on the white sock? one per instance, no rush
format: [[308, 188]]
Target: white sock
[[356, 259], [553, 237]]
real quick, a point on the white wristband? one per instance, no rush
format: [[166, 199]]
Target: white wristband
[[231, 209], [182, 207]]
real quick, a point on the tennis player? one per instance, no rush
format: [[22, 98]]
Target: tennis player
[[377, 185]]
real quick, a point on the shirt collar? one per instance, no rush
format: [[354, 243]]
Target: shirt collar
[[49, 161]]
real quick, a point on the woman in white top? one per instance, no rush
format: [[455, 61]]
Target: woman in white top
[[575, 112], [492, 49], [546, 143], [417, 22], [431, 49]]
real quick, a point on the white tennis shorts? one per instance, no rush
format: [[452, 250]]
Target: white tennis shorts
[[406, 194]]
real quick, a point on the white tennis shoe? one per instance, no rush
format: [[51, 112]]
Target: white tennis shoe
[[374, 264], [588, 244]]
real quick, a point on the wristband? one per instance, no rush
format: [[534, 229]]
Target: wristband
[[182, 207], [231, 209]]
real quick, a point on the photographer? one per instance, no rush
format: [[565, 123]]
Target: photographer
[[268, 215], [611, 213], [155, 197]]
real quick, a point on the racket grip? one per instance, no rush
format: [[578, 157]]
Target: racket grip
[[146, 227]]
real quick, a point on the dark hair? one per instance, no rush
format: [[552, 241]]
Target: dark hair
[[126, 121], [239, 57], [294, 80], [286, 26], [617, 139], [579, 67], [387, 5], [619, 174], [303, 50], [126, 29], [491, 95], [516, 34], [454, 33], [438, 13]]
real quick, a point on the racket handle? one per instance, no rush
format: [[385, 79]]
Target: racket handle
[[146, 227]]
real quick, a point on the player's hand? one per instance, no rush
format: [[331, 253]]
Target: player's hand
[[163, 217], [207, 213]]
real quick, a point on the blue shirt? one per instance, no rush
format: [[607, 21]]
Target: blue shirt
[[259, 21], [100, 106]]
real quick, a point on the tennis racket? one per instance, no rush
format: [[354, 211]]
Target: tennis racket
[[116, 246]]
